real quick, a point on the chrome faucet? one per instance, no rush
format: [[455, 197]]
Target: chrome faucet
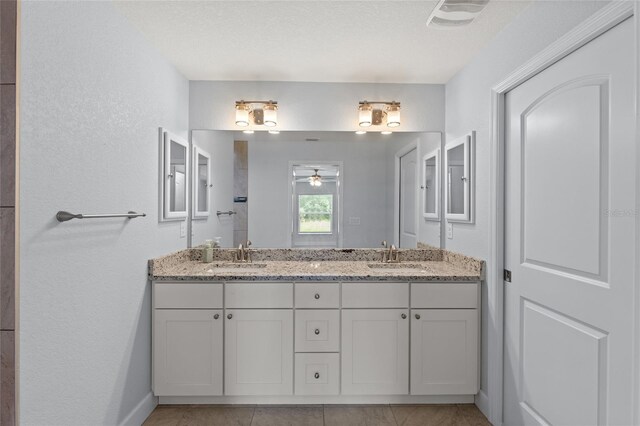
[[394, 255], [391, 255], [242, 254]]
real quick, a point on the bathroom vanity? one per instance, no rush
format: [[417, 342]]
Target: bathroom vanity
[[316, 326]]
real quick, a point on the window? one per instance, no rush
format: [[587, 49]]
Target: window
[[315, 203], [315, 214]]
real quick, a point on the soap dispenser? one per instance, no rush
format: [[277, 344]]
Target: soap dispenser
[[207, 251]]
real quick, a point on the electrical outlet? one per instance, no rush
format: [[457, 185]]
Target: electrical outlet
[[183, 229], [450, 231]]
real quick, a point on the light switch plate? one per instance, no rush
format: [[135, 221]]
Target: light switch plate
[[183, 229], [450, 231], [354, 220]]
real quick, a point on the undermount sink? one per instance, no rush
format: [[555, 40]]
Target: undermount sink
[[237, 267], [399, 267]]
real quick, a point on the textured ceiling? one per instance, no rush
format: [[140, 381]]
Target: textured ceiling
[[320, 41]]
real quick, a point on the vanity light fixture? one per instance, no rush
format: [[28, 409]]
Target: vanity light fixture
[[360, 132], [315, 179], [386, 132], [259, 112], [248, 132], [274, 132], [388, 111]]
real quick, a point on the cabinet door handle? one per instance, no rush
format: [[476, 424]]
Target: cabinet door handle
[[317, 296], [404, 316], [229, 316], [317, 375], [417, 316], [216, 316], [317, 331]]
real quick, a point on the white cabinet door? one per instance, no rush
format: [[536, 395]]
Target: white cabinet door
[[187, 352], [444, 351], [259, 352], [375, 352]]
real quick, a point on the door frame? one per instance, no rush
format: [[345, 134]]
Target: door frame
[[396, 190], [594, 26]]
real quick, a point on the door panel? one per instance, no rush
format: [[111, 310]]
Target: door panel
[[444, 351], [259, 352], [375, 352], [570, 176], [187, 352]]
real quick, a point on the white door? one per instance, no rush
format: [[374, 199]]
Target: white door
[[375, 352], [444, 352], [408, 207], [187, 352], [570, 203], [258, 352]]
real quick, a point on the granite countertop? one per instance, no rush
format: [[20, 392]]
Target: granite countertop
[[317, 265]]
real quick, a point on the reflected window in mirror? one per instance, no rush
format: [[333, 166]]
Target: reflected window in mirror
[[201, 183], [315, 195], [174, 175], [459, 179], [431, 185]]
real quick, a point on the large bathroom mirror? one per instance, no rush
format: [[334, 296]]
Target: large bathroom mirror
[[201, 183], [431, 185], [265, 189], [459, 179], [174, 176]]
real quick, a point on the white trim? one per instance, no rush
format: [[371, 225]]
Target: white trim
[[423, 200], [636, 346], [468, 141], [165, 147], [603, 20], [195, 213], [326, 399], [340, 224], [483, 403], [140, 412], [396, 189]]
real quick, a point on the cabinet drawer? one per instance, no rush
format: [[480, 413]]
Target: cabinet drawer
[[317, 374], [258, 295], [318, 331], [326, 295], [187, 295], [375, 295], [444, 296]]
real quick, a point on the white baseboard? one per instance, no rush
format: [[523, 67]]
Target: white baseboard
[[337, 399], [139, 414], [482, 402]]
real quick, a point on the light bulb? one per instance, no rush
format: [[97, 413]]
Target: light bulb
[[274, 132], [393, 115], [270, 115], [248, 132], [242, 114], [365, 115], [360, 132]]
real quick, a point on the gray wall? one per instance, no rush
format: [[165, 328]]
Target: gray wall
[[468, 107], [315, 106], [93, 95], [364, 183]]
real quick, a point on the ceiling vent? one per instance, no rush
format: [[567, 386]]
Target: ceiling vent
[[455, 13]]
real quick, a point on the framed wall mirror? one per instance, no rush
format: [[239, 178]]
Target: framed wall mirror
[[256, 196], [431, 185], [174, 176], [459, 170], [201, 183]]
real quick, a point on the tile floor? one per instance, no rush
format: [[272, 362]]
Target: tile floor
[[318, 415]]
